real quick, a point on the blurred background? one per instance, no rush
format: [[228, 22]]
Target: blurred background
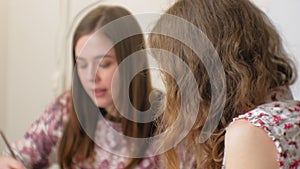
[[33, 36]]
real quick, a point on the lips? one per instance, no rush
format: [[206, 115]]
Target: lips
[[99, 92]]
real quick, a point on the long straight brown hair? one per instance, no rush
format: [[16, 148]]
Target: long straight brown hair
[[75, 141], [253, 59]]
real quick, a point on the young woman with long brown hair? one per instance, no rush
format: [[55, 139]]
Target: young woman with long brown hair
[[259, 125], [71, 132]]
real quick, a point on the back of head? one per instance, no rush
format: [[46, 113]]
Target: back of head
[[250, 50]]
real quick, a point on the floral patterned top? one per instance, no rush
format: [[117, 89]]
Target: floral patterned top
[[280, 119], [38, 148]]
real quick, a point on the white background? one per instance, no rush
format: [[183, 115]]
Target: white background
[[31, 42]]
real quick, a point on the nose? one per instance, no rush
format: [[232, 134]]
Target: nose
[[92, 73]]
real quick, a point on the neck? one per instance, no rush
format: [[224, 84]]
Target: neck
[[111, 114]]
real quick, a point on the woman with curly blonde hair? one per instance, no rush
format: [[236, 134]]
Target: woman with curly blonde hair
[[259, 125]]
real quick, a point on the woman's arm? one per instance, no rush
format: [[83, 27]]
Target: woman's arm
[[249, 147]]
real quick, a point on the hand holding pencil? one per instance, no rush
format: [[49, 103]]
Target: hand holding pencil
[[9, 162]]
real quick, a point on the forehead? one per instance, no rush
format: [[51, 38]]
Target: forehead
[[94, 44]]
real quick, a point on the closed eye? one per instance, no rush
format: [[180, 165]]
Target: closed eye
[[81, 65], [104, 65]]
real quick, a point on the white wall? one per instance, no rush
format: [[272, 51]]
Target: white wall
[[30, 61], [3, 62], [285, 15]]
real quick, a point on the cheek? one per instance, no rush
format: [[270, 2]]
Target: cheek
[[113, 79], [115, 76], [81, 75]]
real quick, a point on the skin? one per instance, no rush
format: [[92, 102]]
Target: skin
[[97, 63], [249, 147], [7, 162]]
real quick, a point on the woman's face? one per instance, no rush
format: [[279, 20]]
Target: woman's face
[[96, 63]]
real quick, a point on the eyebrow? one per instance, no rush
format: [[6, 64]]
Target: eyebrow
[[95, 58]]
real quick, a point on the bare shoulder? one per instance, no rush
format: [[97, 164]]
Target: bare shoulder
[[243, 130], [248, 146]]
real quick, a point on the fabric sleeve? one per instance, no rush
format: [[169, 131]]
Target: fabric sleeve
[[37, 149]]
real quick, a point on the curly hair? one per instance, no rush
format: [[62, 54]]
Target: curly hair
[[253, 59]]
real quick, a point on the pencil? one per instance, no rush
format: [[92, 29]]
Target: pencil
[[7, 145]]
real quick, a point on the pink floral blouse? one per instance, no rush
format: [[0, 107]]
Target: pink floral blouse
[[38, 148], [280, 119]]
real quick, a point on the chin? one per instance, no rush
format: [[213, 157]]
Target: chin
[[101, 104]]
